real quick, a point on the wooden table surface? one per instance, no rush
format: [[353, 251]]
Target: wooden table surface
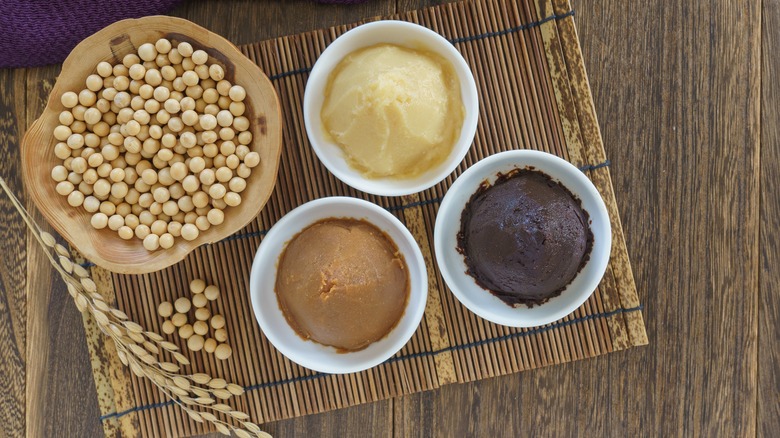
[[688, 98]]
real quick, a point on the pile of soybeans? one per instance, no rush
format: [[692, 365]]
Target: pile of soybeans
[[156, 147]]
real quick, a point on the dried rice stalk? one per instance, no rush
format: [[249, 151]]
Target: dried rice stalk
[[142, 351]]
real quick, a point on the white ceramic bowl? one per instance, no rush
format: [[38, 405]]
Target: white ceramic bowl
[[404, 34], [311, 354], [453, 266]]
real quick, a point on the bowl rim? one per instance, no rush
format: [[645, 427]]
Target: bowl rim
[[264, 269], [77, 237], [479, 300], [332, 156]]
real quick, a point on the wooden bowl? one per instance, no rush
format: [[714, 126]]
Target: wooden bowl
[[104, 247]]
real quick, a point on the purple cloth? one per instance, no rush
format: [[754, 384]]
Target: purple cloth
[[39, 32]]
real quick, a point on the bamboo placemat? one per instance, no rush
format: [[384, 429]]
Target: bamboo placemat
[[534, 94]]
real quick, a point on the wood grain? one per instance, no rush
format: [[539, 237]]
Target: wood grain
[[768, 415], [676, 91], [13, 300], [689, 94]]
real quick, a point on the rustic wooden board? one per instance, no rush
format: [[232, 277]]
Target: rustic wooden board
[[534, 94], [768, 405]]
